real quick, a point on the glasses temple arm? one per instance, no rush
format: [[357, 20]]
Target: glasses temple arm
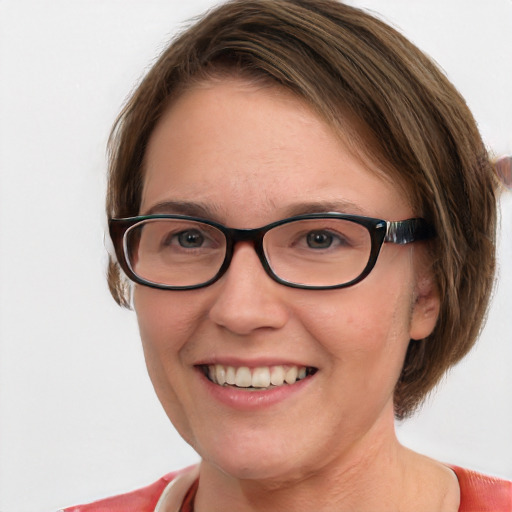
[[407, 231]]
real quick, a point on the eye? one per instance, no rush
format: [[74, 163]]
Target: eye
[[319, 239], [187, 237], [190, 239]]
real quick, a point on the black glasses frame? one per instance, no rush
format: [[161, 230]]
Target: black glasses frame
[[381, 231]]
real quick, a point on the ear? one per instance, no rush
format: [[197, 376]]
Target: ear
[[425, 309]]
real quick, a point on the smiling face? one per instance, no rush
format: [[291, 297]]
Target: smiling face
[[246, 156]]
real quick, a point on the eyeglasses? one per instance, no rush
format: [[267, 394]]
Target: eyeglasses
[[316, 251]]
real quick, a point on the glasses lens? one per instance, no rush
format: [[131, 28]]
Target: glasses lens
[[174, 252], [318, 252]]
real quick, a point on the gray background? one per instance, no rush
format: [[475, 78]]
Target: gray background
[[78, 417]]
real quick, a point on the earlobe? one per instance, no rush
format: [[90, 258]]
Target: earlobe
[[425, 309]]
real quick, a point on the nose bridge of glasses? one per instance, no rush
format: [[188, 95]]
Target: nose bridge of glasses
[[246, 235], [252, 236]]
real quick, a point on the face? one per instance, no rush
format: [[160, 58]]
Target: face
[[246, 156]]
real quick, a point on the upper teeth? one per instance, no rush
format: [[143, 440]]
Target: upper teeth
[[261, 377]]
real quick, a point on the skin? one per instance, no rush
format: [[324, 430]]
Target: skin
[[246, 156]]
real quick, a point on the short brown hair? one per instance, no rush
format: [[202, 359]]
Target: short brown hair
[[347, 65]]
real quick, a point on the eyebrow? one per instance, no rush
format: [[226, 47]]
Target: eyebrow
[[211, 212], [192, 209], [324, 207]]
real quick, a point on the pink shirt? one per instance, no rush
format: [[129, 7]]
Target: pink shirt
[[175, 493]]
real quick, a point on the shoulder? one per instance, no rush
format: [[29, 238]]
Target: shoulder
[[140, 500], [482, 493]]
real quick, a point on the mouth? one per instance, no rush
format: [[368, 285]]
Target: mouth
[[256, 379]]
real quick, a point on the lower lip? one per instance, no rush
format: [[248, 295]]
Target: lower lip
[[253, 400]]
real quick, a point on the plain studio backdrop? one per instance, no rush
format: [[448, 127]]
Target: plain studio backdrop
[[78, 416]]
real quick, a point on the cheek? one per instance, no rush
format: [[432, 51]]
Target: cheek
[[166, 319], [365, 337], [166, 322], [365, 323]]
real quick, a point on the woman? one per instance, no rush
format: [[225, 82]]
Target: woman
[[304, 215]]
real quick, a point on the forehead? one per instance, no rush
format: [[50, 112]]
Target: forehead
[[233, 145]]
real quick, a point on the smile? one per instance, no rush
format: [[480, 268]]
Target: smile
[[260, 378]]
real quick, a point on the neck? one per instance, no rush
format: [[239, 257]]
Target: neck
[[370, 475]]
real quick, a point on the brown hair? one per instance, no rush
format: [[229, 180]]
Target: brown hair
[[347, 65]]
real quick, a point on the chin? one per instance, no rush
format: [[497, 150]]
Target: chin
[[258, 470], [257, 459]]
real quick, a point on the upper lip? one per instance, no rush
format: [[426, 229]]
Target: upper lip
[[251, 363]]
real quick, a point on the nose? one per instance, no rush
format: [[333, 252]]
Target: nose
[[247, 298]]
